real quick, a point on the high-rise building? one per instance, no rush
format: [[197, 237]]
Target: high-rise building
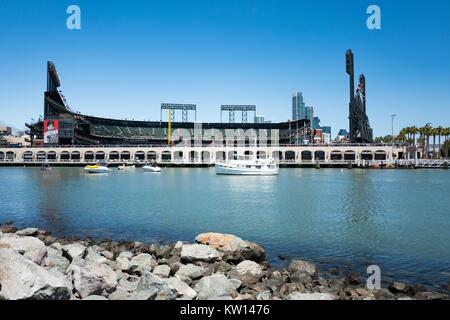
[[298, 106], [309, 113], [326, 129], [316, 123]]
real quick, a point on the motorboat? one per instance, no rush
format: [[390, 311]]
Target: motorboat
[[46, 167], [151, 168], [245, 166], [126, 167], [97, 168]]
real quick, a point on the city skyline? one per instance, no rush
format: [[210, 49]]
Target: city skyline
[[245, 52]]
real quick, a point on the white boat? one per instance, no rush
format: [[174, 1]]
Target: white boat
[[255, 167], [96, 168], [151, 168], [125, 167]]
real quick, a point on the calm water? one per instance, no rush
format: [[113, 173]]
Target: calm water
[[398, 219]]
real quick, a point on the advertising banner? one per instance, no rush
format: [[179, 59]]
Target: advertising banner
[[51, 131]]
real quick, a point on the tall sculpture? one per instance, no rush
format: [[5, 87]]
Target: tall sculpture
[[359, 127]]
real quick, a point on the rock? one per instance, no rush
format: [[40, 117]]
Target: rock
[[311, 296], [48, 240], [263, 295], [107, 254], [162, 271], [21, 278], [250, 267], [55, 261], [129, 284], [221, 267], [57, 246], [429, 295], [178, 245], [149, 281], [93, 255], [289, 288], [303, 266], [166, 294], [182, 289], [140, 263], [92, 279], [21, 244], [216, 286], [27, 232], [164, 251], [383, 294], [236, 248], [301, 276], [37, 255], [399, 287], [74, 251], [275, 280], [123, 263], [7, 228], [354, 279], [199, 252], [120, 294], [189, 271], [95, 297], [362, 292]]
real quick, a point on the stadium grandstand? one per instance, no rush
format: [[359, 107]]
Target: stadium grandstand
[[63, 126]]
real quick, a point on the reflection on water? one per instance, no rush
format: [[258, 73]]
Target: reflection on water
[[398, 219]]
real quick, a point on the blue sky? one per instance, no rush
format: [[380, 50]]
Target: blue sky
[[130, 56]]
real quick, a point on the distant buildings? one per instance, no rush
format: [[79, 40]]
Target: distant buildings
[[259, 119], [342, 135], [309, 113], [5, 131], [300, 112], [298, 106]]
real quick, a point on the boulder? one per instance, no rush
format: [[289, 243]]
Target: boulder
[[216, 286], [93, 255], [251, 267], [162, 271], [129, 284], [140, 263], [92, 279], [189, 271], [21, 278], [27, 232], [167, 293], [235, 248], [74, 251], [303, 266], [399, 287], [123, 263], [56, 261], [21, 244], [149, 281], [311, 296], [247, 271], [107, 254], [7, 228], [37, 255], [199, 252], [182, 289]]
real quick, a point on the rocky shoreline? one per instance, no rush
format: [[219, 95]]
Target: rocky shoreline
[[36, 265]]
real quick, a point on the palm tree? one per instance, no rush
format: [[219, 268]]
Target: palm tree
[[427, 132], [440, 131]]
